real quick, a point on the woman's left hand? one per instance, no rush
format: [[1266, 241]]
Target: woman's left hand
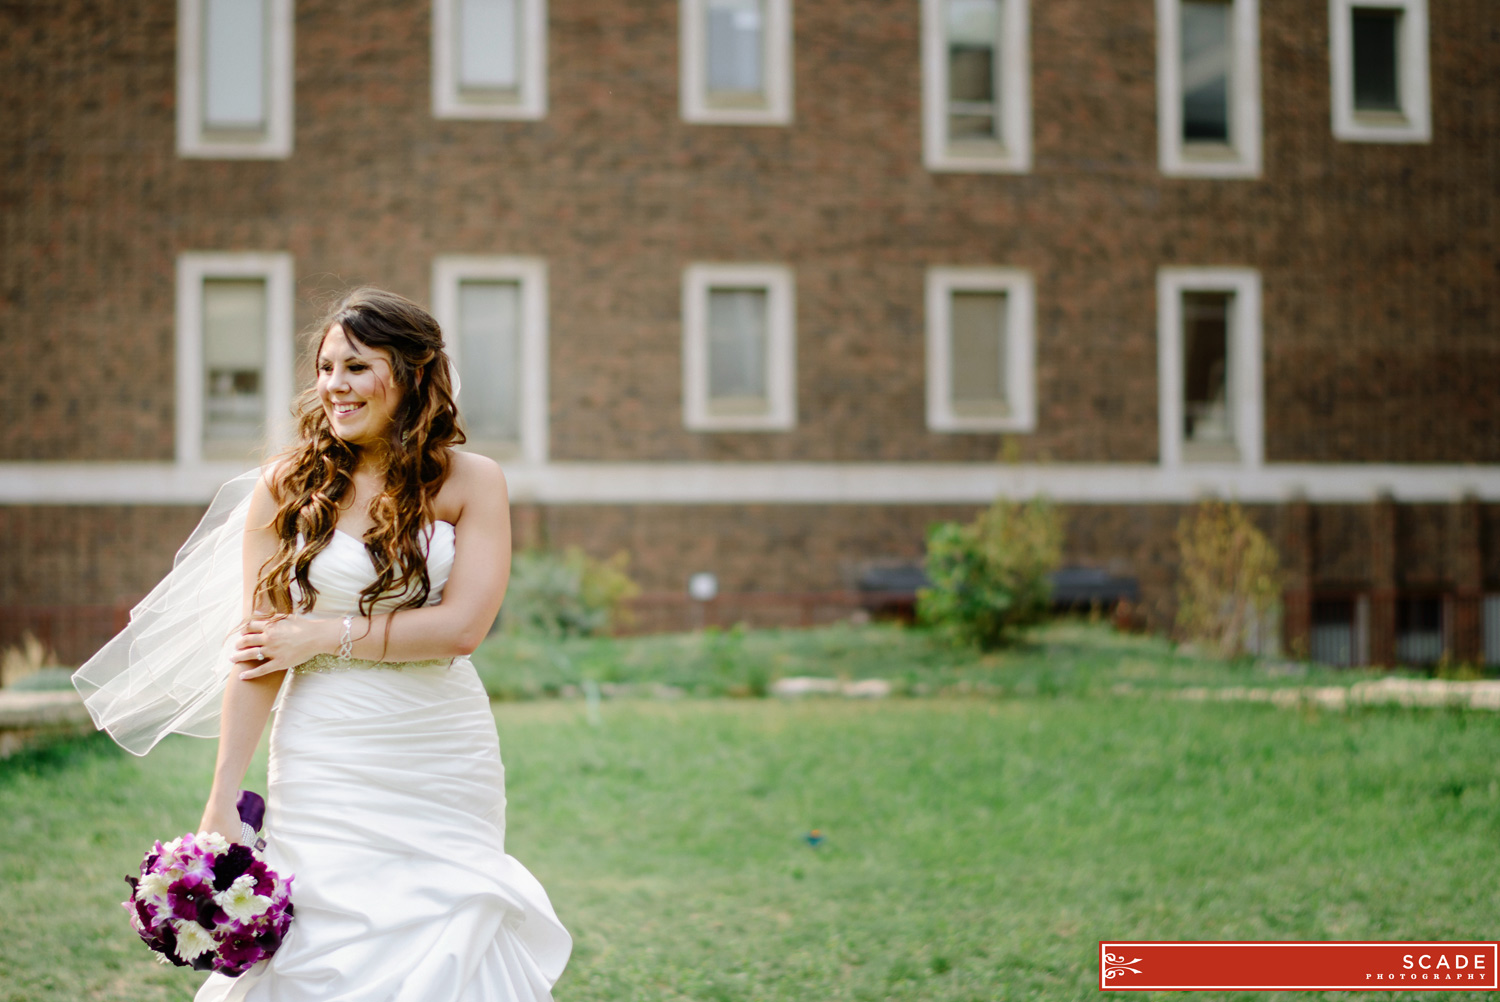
[[275, 643]]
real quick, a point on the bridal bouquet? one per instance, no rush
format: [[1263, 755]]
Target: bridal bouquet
[[205, 903]]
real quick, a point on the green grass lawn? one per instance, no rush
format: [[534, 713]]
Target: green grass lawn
[[1070, 656], [977, 848]]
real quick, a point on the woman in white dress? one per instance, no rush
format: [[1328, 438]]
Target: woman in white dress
[[375, 558]]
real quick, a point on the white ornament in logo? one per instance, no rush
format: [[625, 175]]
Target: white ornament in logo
[[1115, 965]]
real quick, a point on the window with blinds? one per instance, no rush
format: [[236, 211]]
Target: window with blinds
[[234, 79], [489, 59], [736, 61], [738, 348], [493, 313], [489, 353], [236, 66], [738, 351], [234, 366], [981, 334]]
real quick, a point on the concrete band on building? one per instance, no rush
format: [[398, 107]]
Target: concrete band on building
[[1339, 238]]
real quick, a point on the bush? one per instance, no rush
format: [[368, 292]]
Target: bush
[[25, 661], [990, 577], [566, 595], [1229, 581]]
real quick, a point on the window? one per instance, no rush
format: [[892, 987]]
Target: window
[[1490, 622], [1340, 631], [980, 350], [1420, 632], [736, 61], [738, 348], [1209, 363], [234, 355], [493, 311], [1208, 79], [1380, 86], [976, 83], [234, 79], [489, 58]]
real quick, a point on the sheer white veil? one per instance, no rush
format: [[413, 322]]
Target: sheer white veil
[[165, 672]]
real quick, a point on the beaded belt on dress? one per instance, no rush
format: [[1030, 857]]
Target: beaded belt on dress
[[332, 662]]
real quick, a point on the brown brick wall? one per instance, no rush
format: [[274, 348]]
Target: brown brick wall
[[1378, 261], [76, 570], [1341, 549], [751, 548], [76, 555], [1489, 545], [1424, 558]]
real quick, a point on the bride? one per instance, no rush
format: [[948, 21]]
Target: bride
[[375, 558]]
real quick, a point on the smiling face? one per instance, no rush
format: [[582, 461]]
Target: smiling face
[[357, 387]]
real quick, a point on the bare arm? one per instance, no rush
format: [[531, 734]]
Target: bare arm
[[247, 703], [471, 599]]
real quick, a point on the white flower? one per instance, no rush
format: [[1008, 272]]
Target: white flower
[[239, 900], [153, 886], [192, 939], [213, 841]]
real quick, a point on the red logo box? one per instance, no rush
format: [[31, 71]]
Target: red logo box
[[1309, 966]]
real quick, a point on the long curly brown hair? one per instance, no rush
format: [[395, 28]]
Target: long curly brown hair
[[317, 472]]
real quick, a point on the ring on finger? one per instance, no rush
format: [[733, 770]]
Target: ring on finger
[[260, 654]]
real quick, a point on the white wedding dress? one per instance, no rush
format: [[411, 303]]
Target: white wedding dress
[[386, 800]]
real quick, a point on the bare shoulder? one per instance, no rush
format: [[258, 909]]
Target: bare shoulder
[[475, 484], [265, 497]]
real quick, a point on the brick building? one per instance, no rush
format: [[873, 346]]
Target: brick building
[[762, 287]]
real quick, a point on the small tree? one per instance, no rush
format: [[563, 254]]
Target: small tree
[[1228, 580], [990, 577]]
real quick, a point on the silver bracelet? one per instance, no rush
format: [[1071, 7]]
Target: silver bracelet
[[346, 643]]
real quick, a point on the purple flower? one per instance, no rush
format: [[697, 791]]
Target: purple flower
[[239, 952], [265, 880], [229, 865], [144, 913], [165, 943], [188, 897]]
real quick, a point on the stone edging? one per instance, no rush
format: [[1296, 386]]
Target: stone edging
[[1435, 692]]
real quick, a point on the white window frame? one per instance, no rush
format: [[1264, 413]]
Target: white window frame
[[1244, 380], [1414, 124], [530, 273], [781, 347], [1012, 154], [448, 100], [192, 270], [1020, 347], [276, 142], [1244, 97], [692, 43]]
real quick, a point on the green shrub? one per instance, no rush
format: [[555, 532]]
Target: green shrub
[[990, 577], [1229, 580], [566, 595]]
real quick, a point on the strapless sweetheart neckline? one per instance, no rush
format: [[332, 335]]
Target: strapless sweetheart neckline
[[435, 522]]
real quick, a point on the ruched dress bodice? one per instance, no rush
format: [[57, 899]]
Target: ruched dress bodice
[[386, 801], [343, 570]]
